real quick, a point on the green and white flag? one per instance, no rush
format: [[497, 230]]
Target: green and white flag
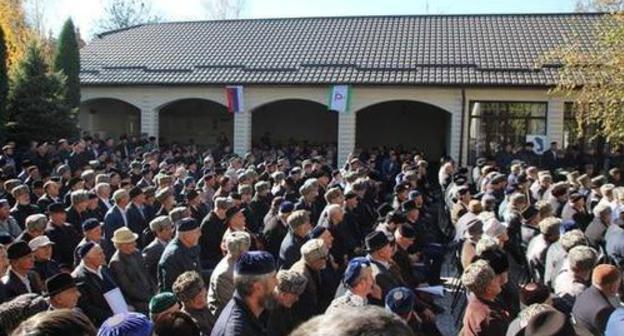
[[339, 98]]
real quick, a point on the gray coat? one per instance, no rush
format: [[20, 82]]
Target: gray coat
[[131, 276], [221, 287], [151, 255]]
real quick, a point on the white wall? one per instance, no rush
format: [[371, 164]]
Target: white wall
[[150, 99]]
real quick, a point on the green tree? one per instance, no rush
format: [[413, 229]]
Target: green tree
[[36, 103], [67, 61], [4, 83], [593, 77]]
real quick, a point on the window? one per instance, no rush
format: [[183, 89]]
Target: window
[[494, 123]]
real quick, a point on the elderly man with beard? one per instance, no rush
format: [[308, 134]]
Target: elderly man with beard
[[254, 280]]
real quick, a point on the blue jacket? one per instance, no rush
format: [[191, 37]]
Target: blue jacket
[[290, 250], [113, 220], [237, 320]]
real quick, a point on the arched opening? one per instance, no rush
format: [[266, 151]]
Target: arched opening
[[404, 124], [109, 117], [199, 121], [294, 122]]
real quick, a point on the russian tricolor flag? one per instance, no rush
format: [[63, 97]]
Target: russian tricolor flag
[[234, 96]]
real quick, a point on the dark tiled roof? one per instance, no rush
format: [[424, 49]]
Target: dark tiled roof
[[498, 50]]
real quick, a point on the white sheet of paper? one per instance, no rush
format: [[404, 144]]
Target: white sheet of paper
[[433, 290], [116, 301]]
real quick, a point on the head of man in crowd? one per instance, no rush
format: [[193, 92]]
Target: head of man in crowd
[[299, 223], [254, 280], [290, 285], [62, 292], [188, 232]]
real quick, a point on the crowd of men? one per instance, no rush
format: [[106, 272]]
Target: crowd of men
[[539, 243], [127, 237]]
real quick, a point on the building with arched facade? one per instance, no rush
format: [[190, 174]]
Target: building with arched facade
[[458, 85]]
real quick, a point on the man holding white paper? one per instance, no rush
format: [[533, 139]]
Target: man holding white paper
[[98, 298]]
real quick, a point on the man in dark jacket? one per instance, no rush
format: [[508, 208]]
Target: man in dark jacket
[[254, 279], [180, 255], [135, 212], [115, 218], [62, 234], [22, 208], [259, 205], [163, 229], [594, 306], [77, 212], [595, 231], [299, 228], [276, 228], [94, 280], [212, 229], [20, 279]]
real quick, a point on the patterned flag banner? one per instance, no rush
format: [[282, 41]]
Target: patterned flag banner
[[234, 95], [339, 98]]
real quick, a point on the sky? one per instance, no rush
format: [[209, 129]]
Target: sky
[[85, 13]]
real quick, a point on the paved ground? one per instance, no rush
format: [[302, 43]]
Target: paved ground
[[447, 321]]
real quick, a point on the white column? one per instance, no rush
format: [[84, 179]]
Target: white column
[[554, 120], [455, 126], [149, 121], [242, 132], [346, 135]]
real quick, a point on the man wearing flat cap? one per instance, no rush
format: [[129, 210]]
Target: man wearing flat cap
[[181, 254], [20, 277], [254, 280], [290, 285], [62, 234], [190, 290], [94, 279], [62, 292], [128, 269]]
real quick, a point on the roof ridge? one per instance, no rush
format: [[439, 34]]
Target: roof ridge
[[355, 17]]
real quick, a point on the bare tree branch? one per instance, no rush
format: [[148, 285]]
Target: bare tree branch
[[224, 9], [120, 14]]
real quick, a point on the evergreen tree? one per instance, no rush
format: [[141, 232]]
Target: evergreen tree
[[36, 104], [4, 84], [67, 61]]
